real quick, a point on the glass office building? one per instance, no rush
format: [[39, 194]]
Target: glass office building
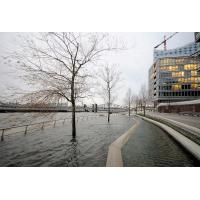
[[173, 79]]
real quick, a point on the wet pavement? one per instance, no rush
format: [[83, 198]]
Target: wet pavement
[[150, 146], [53, 146]]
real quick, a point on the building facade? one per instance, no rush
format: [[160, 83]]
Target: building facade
[[197, 36], [186, 50], [197, 40], [174, 79]]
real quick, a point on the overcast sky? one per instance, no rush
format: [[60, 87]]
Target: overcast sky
[[133, 63]]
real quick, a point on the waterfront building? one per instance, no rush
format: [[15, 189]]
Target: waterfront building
[[174, 79]]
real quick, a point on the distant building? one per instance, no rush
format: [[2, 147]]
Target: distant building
[[173, 79]]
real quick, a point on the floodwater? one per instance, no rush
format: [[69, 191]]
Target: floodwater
[[150, 146], [54, 147]]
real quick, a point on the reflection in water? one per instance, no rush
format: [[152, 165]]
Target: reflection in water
[[72, 154]]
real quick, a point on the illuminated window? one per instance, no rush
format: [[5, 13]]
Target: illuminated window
[[169, 68], [173, 68], [189, 80], [181, 80], [179, 61], [193, 73], [194, 86], [176, 87], [177, 74], [162, 68], [190, 67]]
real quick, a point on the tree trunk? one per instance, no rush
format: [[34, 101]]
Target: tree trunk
[[144, 109], [108, 105], [73, 120], [108, 112], [129, 110], [73, 109]]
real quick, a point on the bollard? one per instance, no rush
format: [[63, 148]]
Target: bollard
[[54, 124], [2, 136], [26, 130], [64, 122], [42, 126]]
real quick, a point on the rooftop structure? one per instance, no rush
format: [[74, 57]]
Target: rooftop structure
[[197, 39], [186, 50], [197, 36]]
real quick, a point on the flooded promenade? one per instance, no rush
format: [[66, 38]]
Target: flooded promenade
[[53, 146]]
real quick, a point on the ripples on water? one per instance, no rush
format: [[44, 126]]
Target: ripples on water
[[54, 147], [150, 146]]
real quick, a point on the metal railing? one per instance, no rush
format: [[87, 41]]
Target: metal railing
[[27, 127]]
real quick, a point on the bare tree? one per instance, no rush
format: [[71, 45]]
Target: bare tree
[[129, 99], [109, 79], [143, 97], [56, 65], [135, 102]]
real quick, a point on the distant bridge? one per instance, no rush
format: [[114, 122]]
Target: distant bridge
[[4, 109]]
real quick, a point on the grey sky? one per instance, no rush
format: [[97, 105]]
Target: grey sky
[[133, 63]]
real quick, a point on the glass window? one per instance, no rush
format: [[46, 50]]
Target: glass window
[[178, 74], [176, 87], [195, 86], [169, 68], [190, 66]]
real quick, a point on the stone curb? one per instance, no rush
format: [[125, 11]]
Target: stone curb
[[114, 157]]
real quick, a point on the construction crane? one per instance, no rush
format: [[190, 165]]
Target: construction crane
[[165, 41]]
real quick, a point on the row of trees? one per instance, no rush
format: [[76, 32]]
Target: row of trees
[[137, 101], [60, 66]]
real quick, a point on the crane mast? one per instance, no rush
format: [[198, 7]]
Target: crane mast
[[165, 41]]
